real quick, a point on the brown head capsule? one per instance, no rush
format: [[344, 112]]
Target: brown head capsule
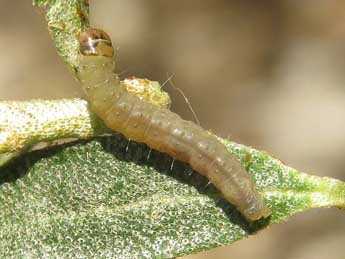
[[95, 42]]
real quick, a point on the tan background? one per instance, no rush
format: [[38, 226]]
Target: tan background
[[269, 74]]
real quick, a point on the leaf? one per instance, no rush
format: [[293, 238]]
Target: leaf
[[106, 199], [66, 19]]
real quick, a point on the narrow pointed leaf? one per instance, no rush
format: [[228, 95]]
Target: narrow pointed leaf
[[106, 198]]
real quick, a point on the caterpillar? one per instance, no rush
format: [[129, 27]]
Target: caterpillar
[[161, 129]]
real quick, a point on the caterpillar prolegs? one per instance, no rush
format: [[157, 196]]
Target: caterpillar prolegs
[[160, 128]]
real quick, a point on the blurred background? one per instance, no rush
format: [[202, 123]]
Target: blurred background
[[269, 74]]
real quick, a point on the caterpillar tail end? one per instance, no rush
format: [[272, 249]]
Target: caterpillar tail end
[[256, 211]]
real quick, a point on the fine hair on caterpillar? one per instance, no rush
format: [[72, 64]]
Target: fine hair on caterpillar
[[161, 129]]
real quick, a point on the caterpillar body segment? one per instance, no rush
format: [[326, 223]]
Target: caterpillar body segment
[[160, 128]]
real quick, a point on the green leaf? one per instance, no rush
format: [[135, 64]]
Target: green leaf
[[106, 199], [66, 19]]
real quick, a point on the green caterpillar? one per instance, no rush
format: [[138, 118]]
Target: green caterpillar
[[160, 128]]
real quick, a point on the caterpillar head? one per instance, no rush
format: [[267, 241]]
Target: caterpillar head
[[95, 42]]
